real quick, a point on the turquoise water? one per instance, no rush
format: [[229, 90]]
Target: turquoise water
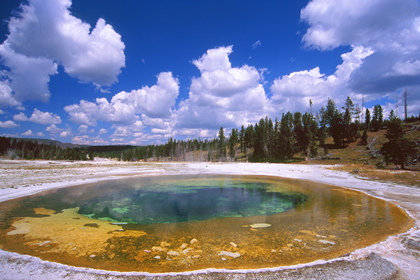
[[175, 203], [170, 199]]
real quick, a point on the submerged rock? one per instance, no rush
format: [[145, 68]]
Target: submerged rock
[[157, 248], [173, 253], [187, 251], [230, 254], [326, 242], [260, 225], [193, 241]]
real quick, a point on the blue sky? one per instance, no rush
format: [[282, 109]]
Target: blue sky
[[139, 72]]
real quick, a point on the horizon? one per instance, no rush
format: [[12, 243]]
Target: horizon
[[139, 73]]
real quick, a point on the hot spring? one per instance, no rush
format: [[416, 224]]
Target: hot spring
[[184, 223]]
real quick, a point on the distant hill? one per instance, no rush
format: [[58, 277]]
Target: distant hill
[[49, 142], [105, 148]]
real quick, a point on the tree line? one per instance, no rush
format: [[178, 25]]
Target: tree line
[[28, 149]]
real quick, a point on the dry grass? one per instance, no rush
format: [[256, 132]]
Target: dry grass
[[358, 159], [402, 177]]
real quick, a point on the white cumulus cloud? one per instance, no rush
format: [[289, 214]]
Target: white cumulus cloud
[[347, 22], [126, 108], [65, 133], [102, 131], [29, 76], [8, 124], [85, 129], [7, 98], [28, 133], [53, 129], [292, 92], [389, 28], [39, 117], [223, 95], [44, 35]]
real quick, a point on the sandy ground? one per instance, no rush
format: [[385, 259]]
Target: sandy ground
[[396, 258]]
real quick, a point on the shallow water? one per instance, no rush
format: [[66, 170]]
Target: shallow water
[[181, 223]]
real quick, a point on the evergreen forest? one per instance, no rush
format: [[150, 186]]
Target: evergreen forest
[[15, 148]]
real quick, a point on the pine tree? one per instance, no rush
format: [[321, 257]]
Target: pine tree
[[338, 129], [364, 139], [270, 139], [398, 149], [286, 137], [367, 119], [260, 142], [222, 144], [329, 113], [232, 143], [248, 139], [377, 118], [310, 131], [275, 142], [350, 128], [349, 105], [348, 132], [242, 139], [298, 132]]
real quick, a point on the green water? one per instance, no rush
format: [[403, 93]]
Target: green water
[[176, 203], [171, 200]]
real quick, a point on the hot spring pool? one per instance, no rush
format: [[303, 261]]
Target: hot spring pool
[[183, 223]]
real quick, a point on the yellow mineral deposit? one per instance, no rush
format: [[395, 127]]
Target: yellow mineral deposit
[[69, 232]]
